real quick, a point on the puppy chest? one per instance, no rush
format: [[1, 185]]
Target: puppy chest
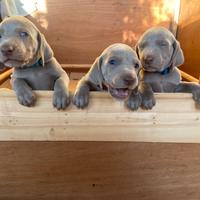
[[38, 79], [161, 83]]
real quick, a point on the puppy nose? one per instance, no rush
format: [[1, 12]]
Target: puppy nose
[[129, 80], [148, 59], [7, 49]]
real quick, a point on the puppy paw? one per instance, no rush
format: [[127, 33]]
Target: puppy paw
[[26, 98], [196, 96], [81, 99], [148, 102], [134, 101], [61, 99]]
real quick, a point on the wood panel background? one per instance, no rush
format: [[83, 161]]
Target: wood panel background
[[79, 30], [99, 171], [188, 35]]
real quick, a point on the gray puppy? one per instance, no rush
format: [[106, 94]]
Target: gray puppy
[[23, 47], [115, 70], [160, 54]]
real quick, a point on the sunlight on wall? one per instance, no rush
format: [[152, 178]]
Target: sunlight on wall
[[25, 6], [41, 6], [163, 12], [177, 10], [41, 12], [148, 13], [129, 36]]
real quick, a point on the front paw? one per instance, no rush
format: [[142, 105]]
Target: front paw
[[134, 101], [61, 99], [196, 96], [26, 98], [81, 99], [148, 102]]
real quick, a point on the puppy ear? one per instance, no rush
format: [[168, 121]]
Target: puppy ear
[[177, 56], [2, 66], [137, 50], [44, 50], [95, 74]]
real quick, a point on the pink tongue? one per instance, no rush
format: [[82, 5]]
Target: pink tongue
[[121, 92]]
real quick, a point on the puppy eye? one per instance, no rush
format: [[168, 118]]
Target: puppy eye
[[112, 62], [23, 34], [163, 44], [137, 66]]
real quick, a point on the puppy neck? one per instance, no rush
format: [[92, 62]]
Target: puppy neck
[[165, 71], [37, 63]]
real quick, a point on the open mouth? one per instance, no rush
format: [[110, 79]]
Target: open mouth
[[119, 93]]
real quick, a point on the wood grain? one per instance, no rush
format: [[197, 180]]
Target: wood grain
[[189, 27], [5, 75], [99, 170], [174, 119], [79, 30]]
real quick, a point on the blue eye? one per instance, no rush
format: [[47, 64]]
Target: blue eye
[[112, 62], [137, 65], [163, 44], [23, 34]]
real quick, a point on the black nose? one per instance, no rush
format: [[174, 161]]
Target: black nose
[[7, 49], [148, 59], [129, 80]]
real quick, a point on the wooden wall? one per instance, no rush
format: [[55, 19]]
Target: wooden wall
[[189, 35], [78, 30], [99, 171]]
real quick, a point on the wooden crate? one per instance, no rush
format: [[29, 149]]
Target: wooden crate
[[174, 119], [105, 151]]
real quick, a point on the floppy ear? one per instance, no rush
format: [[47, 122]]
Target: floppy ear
[[177, 56], [95, 74], [2, 66], [44, 50], [137, 50]]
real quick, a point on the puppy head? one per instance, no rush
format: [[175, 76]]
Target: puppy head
[[158, 49], [21, 43], [117, 68]]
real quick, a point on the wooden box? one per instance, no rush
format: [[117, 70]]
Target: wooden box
[[105, 151]]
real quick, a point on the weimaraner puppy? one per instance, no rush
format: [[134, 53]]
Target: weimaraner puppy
[[160, 54], [24, 48], [115, 70]]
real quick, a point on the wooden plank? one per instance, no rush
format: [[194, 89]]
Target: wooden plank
[[99, 171], [188, 77], [79, 30], [174, 119], [189, 27], [76, 67], [5, 75]]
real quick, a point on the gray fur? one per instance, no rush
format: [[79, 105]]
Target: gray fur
[[24, 48], [120, 76], [159, 51]]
